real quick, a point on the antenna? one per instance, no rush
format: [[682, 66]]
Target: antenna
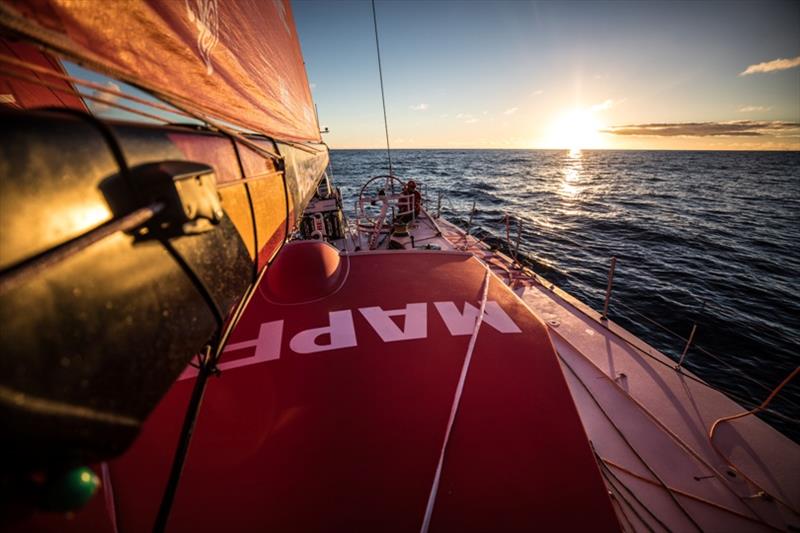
[[383, 97]]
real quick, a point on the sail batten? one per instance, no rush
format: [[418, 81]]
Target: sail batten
[[239, 62]]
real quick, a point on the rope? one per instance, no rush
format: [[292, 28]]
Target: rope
[[761, 407], [547, 284], [609, 476], [207, 367], [454, 408], [659, 423], [383, 97], [215, 349], [701, 349], [757, 409], [185, 108], [96, 86], [727, 365], [630, 446], [618, 509], [686, 494], [60, 89]]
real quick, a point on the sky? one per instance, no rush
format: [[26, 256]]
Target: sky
[[717, 75]]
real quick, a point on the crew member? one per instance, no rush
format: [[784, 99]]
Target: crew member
[[410, 201]]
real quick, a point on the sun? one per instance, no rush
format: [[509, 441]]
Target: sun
[[574, 130]]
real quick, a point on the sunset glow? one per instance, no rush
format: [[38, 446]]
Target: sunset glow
[[561, 75], [576, 129]]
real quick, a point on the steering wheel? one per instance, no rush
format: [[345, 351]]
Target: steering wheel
[[381, 194]]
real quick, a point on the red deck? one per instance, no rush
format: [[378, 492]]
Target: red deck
[[348, 439]]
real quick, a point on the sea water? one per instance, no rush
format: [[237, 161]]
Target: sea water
[[705, 238]]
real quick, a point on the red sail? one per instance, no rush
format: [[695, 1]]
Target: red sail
[[28, 95], [236, 61]]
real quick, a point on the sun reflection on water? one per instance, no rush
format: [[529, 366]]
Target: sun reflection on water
[[572, 173]]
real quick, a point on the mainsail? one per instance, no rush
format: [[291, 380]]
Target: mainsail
[[239, 62]]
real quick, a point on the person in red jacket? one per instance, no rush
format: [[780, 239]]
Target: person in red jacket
[[411, 201]]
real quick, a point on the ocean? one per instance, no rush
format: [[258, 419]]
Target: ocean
[[705, 238]]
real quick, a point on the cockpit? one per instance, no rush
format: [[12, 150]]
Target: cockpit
[[390, 214]]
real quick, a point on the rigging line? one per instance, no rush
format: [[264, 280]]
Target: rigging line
[[761, 407], [686, 494], [628, 443], [456, 401], [108, 496], [96, 86], [54, 63], [547, 285], [717, 358], [55, 88], [286, 228], [187, 111], [199, 116], [609, 476], [184, 440], [53, 41], [619, 510], [383, 97], [207, 367], [658, 422], [696, 346]]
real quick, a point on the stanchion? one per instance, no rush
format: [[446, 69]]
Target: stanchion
[[686, 348], [610, 285], [469, 225]]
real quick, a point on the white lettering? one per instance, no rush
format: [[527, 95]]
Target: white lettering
[[459, 323], [415, 324], [268, 348], [341, 332]]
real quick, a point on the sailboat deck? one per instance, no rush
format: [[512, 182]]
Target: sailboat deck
[[649, 422], [339, 404]]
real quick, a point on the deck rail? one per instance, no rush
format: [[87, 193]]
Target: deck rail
[[643, 321]]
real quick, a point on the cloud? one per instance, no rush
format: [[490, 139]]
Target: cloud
[[107, 98], [469, 118], [471, 121], [537, 92], [753, 109], [418, 107], [607, 104], [511, 111], [772, 66], [737, 128]]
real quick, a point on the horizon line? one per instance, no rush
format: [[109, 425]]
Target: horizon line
[[583, 149]]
